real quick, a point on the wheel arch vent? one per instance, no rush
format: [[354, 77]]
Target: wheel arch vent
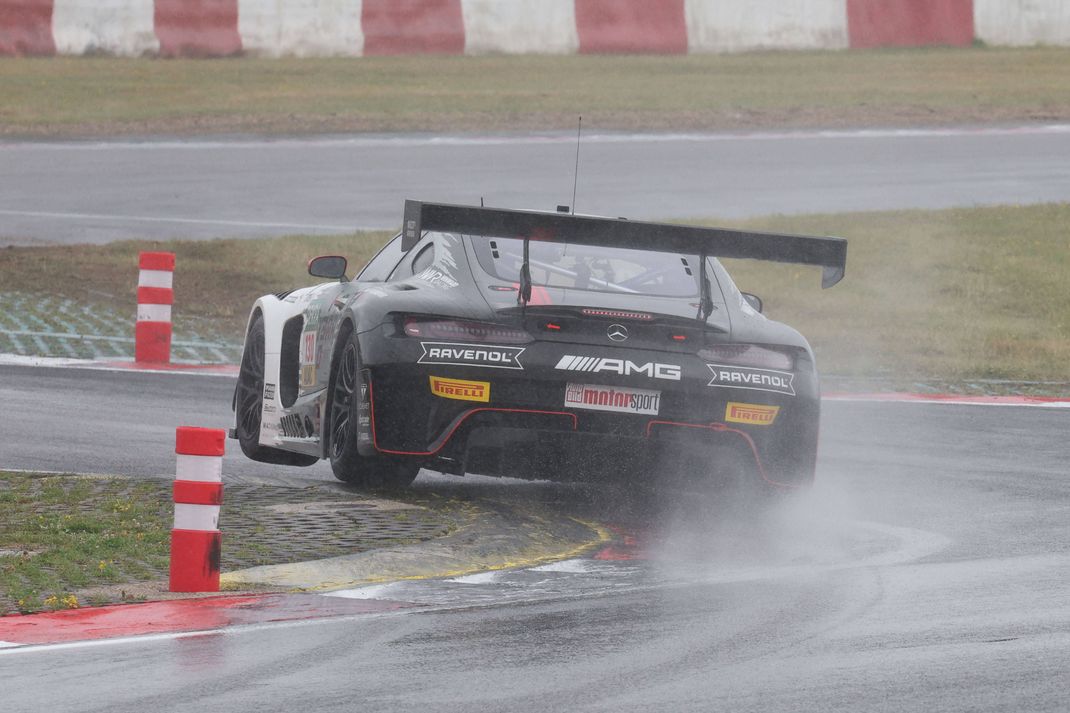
[[290, 360]]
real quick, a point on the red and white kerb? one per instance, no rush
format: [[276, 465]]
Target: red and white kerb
[[154, 299], [195, 539]]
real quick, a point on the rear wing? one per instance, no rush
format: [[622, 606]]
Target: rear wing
[[828, 253]]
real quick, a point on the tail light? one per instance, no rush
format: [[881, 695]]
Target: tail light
[[749, 355], [458, 330], [616, 314]]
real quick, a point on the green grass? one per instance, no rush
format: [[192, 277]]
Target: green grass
[[62, 534], [105, 96], [953, 295], [950, 295], [217, 280]]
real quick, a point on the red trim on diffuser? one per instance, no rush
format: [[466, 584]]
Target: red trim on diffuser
[[449, 435], [722, 428]]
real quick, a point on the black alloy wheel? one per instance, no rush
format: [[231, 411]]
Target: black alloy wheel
[[367, 472]]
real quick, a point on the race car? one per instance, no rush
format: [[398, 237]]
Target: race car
[[540, 345]]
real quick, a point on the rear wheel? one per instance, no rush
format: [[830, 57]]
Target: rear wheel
[[249, 403], [369, 472]]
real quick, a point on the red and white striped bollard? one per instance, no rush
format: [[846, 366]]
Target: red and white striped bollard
[[152, 335], [198, 492]]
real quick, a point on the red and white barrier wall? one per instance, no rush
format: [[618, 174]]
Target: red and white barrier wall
[[399, 27]]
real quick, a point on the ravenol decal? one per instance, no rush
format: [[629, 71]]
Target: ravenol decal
[[619, 399], [741, 377], [752, 414], [482, 355], [623, 367], [460, 389]]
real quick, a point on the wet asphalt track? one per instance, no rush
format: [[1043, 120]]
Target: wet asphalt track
[[927, 571], [98, 192]]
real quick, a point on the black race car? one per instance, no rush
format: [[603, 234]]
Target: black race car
[[535, 345]]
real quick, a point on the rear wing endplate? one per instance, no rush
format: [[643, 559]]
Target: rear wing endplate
[[828, 253]]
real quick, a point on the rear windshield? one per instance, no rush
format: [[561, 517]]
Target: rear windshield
[[587, 267]]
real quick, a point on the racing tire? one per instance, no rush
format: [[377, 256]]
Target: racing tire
[[249, 402], [349, 466]]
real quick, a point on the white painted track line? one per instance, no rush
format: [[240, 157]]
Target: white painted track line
[[430, 140]]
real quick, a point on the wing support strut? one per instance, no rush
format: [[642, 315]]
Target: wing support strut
[[523, 294]]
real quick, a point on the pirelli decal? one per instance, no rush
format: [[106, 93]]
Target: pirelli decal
[[751, 414], [460, 389], [482, 355], [741, 377]]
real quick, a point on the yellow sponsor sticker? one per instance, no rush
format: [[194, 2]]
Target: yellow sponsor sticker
[[460, 389], [752, 414]]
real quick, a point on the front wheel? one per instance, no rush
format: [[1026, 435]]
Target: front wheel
[[368, 472], [249, 403]]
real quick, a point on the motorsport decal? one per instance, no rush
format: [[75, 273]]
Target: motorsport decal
[[619, 399], [742, 377], [460, 389], [269, 392], [752, 414], [596, 365], [364, 421], [484, 355]]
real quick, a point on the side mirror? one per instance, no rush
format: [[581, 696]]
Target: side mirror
[[754, 301], [329, 266]]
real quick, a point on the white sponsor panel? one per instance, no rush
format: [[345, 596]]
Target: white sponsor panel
[[301, 28], [743, 377], [619, 399], [269, 420], [738, 25], [121, 27], [483, 355], [520, 26], [1022, 22]]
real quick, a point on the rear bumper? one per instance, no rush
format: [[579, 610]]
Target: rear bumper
[[518, 421]]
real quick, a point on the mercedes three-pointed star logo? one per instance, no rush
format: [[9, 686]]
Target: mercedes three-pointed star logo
[[617, 332]]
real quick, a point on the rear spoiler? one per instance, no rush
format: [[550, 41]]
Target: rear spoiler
[[829, 253]]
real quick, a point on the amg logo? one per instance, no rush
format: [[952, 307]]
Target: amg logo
[[482, 355], [623, 367], [738, 377]]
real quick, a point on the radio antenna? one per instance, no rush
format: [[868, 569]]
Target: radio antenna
[[576, 172]]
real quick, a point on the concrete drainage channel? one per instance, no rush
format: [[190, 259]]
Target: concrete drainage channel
[[45, 325]]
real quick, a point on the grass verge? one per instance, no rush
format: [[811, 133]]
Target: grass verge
[[64, 534], [100, 96], [949, 295], [68, 541], [215, 281]]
